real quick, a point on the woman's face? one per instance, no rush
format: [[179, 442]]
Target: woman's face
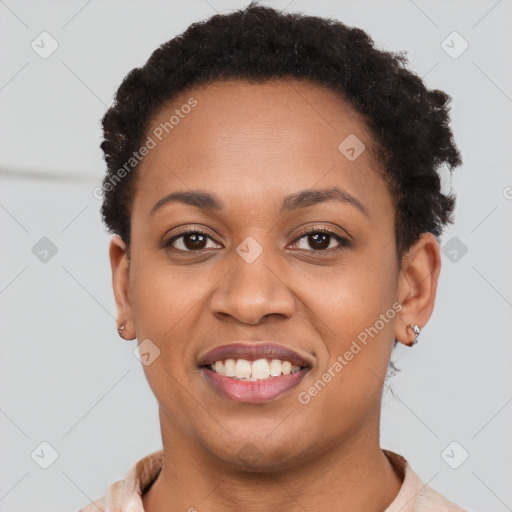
[[254, 276]]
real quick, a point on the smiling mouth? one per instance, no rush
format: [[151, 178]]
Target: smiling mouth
[[251, 389], [254, 372], [259, 369]]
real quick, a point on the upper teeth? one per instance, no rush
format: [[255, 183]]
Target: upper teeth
[[253, 370]]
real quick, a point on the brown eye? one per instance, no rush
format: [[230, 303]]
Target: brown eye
[[189, 241], [321, 240]]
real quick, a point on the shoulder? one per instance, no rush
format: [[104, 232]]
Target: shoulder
[[113, 496], [126, 494], [95, 506], [414, 495], [429, 500]]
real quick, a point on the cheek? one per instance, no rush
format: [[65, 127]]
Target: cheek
[[355, 317], [165, 311], [163, 301], [352, 297], [355, 311]]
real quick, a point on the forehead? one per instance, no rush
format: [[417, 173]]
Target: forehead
[[243, 140]]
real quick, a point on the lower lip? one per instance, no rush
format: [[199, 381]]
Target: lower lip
[[253, 391]]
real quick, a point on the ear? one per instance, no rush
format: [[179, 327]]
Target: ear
[[120, 264], [417, 286]]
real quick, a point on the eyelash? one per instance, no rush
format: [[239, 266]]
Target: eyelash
[[344, 242]]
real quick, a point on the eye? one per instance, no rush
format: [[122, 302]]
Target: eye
[[189, 241], [320, 239]]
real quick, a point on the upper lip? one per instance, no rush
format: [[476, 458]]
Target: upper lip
[[252, 351]]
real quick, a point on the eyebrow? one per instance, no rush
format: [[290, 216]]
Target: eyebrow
[[302, 199]]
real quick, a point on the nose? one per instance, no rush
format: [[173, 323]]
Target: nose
[[252, 291]]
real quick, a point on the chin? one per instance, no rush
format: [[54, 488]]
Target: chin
[[258, 453]]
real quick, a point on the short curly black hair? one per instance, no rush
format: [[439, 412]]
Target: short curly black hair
[[409, 123]]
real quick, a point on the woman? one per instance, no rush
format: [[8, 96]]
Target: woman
[[274, 194]]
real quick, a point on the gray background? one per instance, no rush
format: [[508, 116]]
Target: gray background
[[67, 378]]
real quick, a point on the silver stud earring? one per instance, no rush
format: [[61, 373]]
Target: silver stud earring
[[416, 330], [120, 330]]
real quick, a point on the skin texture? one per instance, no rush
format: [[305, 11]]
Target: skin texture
[[250, 145]]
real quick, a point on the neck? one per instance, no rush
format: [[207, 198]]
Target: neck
[[354, 475]]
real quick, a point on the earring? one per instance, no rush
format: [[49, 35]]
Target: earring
[[416, 330], [120, 330]]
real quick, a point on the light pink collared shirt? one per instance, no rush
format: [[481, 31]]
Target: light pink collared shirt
[[126, 495]]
